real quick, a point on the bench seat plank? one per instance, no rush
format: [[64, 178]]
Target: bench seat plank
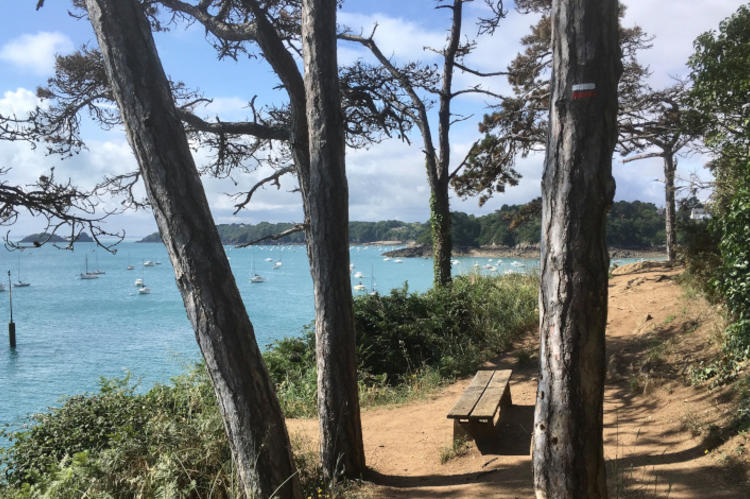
[[493, 394], [471, 396]]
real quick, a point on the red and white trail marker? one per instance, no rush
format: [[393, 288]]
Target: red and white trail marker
[[584, 90]]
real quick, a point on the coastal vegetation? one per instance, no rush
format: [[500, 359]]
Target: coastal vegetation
[[630, 225], [170, 440], [43, 237], [718, 256]]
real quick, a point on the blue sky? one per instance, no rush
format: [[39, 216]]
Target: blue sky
[[387, 180]]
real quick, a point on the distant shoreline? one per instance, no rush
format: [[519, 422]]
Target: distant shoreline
[[526, 251]]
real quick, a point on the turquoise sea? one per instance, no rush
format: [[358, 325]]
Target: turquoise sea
[[70, 331]]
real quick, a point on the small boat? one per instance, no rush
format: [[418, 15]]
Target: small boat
[[148, 263], [351, 267], [157, 262], [97, 271], [86, 275], [277, 265], [130, 267], [145, 290], [358, 275], [398, 260], [387, 259], [455, 262], [19, 283], [138, 283], [269, 259], [255, 278], [516, 263], [359, 287]]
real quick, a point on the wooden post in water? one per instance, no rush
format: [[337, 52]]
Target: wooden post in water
[[11, 324]]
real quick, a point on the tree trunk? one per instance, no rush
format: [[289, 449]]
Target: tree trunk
[[577, 190], [669, 205], [440, 211], [341, 446], [251, 413], [442, 239]]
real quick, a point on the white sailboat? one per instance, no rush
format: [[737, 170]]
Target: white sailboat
[[255, 278], [20, 283], [86, 274], [97, 271], [145, 290]]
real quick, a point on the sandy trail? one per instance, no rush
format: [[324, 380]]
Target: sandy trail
[[657, 434]]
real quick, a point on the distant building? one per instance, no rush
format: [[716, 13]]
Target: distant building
[[699, 214]]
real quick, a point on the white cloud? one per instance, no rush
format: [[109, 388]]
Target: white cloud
[[18, 102], [395, 36], [675, 24], [226, 108], [36, 52]]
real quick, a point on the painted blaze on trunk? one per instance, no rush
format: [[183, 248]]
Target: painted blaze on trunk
[[577, 190]]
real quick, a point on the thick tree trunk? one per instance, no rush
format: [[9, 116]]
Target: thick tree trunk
[[442, 239], [251, 413], [669, 205], [341, 446], [577, 190]]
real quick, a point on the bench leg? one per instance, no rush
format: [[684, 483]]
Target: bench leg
[[505, 401], [460, 431], [473, 429]]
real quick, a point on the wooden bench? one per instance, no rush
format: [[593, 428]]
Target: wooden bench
[[474, 413]]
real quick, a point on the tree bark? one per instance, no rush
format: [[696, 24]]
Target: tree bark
[[442, 238], [341, 447], [669, 204], [251, 413], [577, 189]]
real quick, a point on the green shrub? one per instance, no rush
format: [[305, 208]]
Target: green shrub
[[407, 340], [453, 329]]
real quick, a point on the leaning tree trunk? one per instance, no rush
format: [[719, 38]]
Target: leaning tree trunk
[[341, 446], [669, 205], [251, 413], [577, 190]]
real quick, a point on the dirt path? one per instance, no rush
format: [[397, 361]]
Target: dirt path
[[660, 438]]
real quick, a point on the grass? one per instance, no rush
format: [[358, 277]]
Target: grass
[[461, 447]]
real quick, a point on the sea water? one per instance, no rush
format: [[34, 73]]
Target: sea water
[[71, 331]]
